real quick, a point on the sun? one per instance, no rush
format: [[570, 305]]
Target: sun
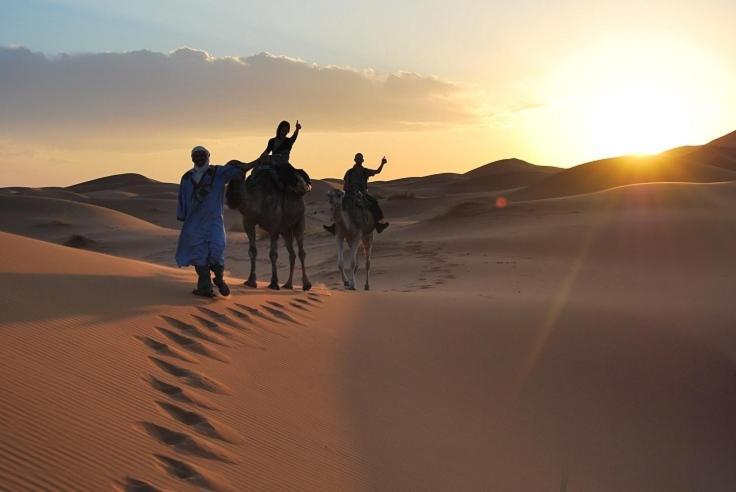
[[637, 95], [643, 115]]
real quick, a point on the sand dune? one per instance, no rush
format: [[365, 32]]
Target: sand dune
[[502, 175], [50, 192], [65, 221], [724, 141], [705, 164], [504, 346], [93, 351], [128, 183], [159, 211], [499, 175]]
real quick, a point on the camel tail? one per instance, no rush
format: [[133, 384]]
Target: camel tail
[[234, 193]]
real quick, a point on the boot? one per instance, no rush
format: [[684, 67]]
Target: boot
[[330, 228], [219, 271], [380, 226], [204, 282]]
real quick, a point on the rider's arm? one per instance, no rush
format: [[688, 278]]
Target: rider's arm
[[269, 147], [373, 172], [380, 168], [296, 132]]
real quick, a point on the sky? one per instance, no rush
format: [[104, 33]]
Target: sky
[[91, 88]]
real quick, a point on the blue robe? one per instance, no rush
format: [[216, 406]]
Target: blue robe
[[202, 238]]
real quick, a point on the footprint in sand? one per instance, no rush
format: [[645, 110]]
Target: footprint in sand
[[192, 378], [180, 394], [245, 339], [220, 317], [134, 485], [299, 306], [192, 330], [186, 444], [189, 474], [255, 312], [163, 349], [283, 307], [304, 302], [202, 424], [193, 345], [241, 316], [212, 326], [281, 314], [260, 324]]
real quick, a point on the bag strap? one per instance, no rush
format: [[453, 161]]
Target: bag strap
[[211, 173]]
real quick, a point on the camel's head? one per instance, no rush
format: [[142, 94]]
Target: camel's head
[[335, 197]]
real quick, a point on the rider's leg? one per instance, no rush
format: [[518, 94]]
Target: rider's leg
[[304, 175], [375, 208]]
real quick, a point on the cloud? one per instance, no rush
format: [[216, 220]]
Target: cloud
[[189, 92]]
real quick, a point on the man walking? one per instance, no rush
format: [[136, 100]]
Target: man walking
[[202, 238]]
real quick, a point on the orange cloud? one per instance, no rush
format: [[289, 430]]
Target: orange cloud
[[189, 93]]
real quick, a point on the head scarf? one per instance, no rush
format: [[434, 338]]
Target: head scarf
[[198, 172], [199, 148]]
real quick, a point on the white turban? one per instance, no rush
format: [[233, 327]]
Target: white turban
[[199, 148]]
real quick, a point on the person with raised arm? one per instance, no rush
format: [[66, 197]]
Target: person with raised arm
[[356, 181]]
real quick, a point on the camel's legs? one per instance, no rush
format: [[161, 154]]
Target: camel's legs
[[354, 248], [367, 247], [289, 242], [273, 254], [306, 284], [341, 259], [250, 230]]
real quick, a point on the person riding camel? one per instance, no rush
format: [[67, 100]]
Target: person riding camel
[[356, 181], [276, 157], [202, 238]]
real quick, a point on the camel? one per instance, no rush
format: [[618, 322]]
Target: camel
[[278, 212], [355, 224]]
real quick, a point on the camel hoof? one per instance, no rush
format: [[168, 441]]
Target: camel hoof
[[307, 286], [250, 283], [274, 286], [288, 286], [367, 287]]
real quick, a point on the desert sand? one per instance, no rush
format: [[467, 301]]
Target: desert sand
[[529, 329]]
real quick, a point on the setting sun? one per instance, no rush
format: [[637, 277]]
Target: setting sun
[[636, 95]]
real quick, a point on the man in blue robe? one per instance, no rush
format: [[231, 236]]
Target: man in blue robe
[[202, 238]]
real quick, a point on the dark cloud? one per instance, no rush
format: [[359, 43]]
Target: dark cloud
[[190, 92]]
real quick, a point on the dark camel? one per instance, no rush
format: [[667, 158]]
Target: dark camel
[[280, 212]]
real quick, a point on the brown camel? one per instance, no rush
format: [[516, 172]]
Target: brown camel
[[355, 224], [280, 212]]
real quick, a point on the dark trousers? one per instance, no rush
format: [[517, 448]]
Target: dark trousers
[[374, 207]]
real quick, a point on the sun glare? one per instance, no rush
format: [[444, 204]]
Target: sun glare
[[642, 117], [638, 96]]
